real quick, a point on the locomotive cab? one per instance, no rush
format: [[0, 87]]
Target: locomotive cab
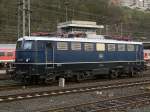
[[24, 58], [30, 55]]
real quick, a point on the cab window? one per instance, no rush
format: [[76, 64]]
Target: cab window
[[28, 45], [19, 43]]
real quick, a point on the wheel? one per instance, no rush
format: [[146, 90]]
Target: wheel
[[132, 73], [114, 74], [26, 81], [80, 77], [139, 73]]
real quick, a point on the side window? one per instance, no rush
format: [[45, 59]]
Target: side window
[[76, 46], [62, 46], [2, 54], [130, 48], [19, 43], [100, 47], [121, 47], [88, 46], [9, 53], [111, 47]]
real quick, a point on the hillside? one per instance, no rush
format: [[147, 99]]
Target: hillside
[[47, 13]]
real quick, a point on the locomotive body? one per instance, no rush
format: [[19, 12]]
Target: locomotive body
[[48, 58]]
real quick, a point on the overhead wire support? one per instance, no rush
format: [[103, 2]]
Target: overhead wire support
[[29, 17], [24, 18], [66, 6], [19, 18]]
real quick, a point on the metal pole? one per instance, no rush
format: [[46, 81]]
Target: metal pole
[[19, 8], [23, 20], [66, 4], [29, 17], [66, 13], [121, 30], [107, 29], [73, 13]]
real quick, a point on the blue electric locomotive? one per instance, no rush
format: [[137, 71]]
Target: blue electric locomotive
[[49, 58]]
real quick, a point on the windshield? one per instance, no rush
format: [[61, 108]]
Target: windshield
[[24, 45], [28, 45]]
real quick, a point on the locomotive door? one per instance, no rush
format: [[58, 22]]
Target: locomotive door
[[49, 52], [138, 53]]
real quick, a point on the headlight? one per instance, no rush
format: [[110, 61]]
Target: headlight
[[27, 60]]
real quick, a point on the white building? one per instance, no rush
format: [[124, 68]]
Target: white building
[[141, 4], [79, 26]]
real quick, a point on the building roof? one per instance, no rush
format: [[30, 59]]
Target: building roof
[[86, 24]]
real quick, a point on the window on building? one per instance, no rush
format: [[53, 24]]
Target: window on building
[[76, 46], [121, 47], [2, 54], [100, 47], [62, 45], [88, 46], [130, 48], [111, 47]]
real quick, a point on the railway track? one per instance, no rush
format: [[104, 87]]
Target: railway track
[[4, 85], [115, 104], [30, 95], [12, 86], [9, 85]]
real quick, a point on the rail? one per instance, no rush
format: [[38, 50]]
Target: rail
[[22, 96], [118, 103]]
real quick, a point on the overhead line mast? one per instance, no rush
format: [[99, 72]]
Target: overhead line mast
[[24, 18]]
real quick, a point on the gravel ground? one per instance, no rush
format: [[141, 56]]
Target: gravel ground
[[36, 105], [26, 90], [3, 75], [45, 103], [143, 109], [39, 89]]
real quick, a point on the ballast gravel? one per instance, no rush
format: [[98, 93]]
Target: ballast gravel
[[46, 103]]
